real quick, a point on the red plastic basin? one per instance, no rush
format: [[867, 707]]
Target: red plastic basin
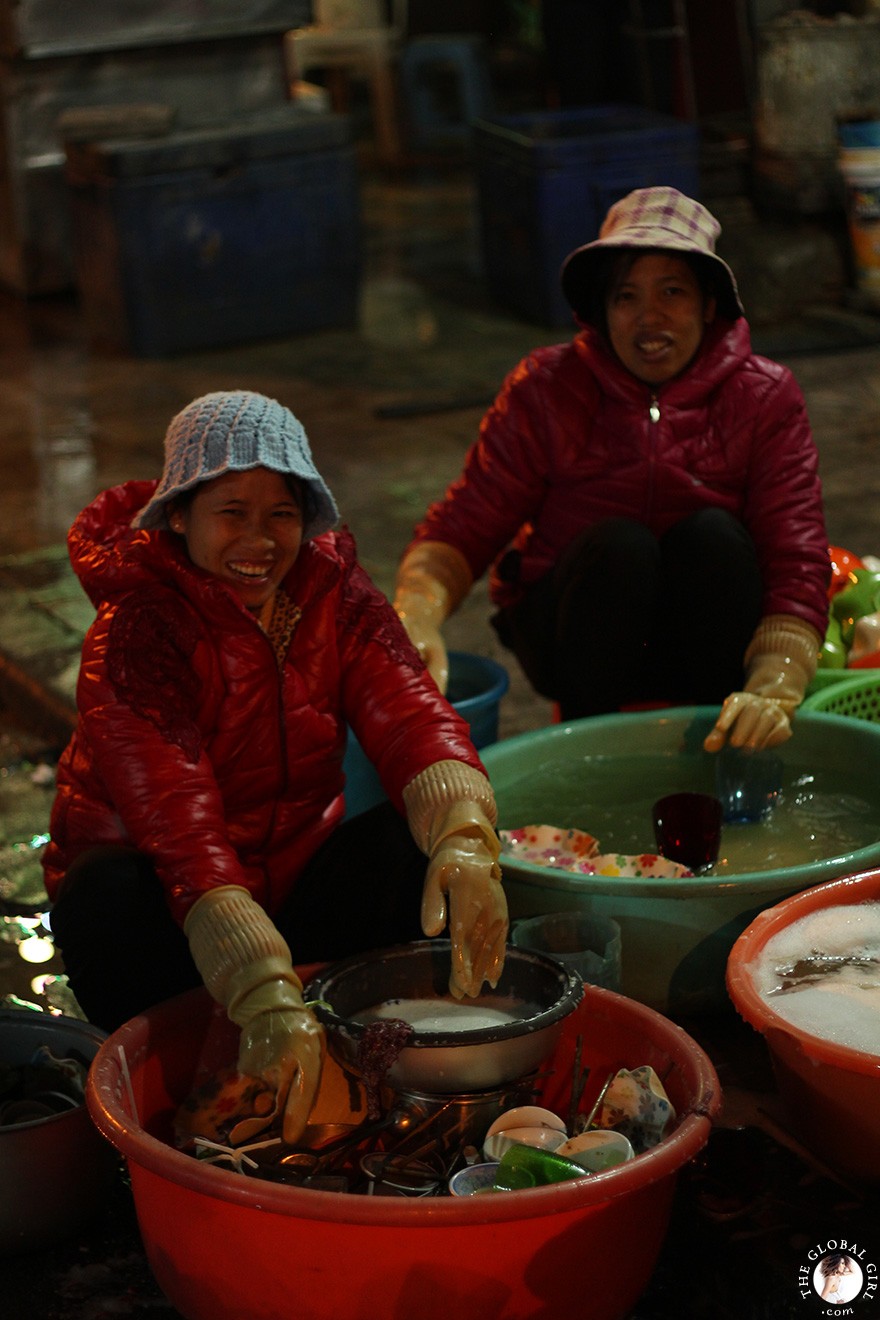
[[831, 1092], [223, 1246]]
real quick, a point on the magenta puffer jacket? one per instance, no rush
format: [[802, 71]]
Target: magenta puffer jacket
[[574, 438], [193, 746]]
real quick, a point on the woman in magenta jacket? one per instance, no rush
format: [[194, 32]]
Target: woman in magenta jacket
[[197, 832], [647, 496]]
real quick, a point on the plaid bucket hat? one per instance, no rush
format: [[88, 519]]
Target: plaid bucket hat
[[233, 431], [653, 218]]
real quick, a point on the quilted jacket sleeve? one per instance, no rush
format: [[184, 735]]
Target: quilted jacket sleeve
[[389, 698], [783, 509]]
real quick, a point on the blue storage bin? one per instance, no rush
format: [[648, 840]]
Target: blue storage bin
[[546, 179], [859, 133], [217, 236]]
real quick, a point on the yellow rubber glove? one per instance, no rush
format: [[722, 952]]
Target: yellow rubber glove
[[780, 661], [246, 966], [451, 812], [432, 580]]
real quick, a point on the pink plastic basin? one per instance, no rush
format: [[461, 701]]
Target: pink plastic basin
[[223, 1246], [831, 1092]]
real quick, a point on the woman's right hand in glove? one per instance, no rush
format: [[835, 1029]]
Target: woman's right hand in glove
[[246, 965], [283, 1043]]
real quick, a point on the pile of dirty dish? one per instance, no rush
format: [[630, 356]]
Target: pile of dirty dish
[[531, 1146], [427, 1095], [430, 1150]]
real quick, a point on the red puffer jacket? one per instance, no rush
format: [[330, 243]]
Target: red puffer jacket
[[194, 747], [574, 438]]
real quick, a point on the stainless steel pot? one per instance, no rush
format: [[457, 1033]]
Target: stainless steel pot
[[537, 991]]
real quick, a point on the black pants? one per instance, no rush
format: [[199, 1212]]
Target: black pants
[[626, 617], [123, 952]]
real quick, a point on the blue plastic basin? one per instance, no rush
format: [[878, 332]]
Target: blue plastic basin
[[476, 686]]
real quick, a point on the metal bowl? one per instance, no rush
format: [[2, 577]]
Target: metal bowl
[[537, 991]]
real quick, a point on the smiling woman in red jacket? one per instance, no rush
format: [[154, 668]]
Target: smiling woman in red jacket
[[646, 496], [198, 832]]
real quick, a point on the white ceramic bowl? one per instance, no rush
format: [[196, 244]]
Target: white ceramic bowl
[[527, 1125], [597, 1150]]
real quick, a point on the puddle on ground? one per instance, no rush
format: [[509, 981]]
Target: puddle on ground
[[26, 794]]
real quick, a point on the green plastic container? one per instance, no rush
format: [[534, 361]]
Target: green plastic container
[[827, 677], [857, 696], [676, 934]]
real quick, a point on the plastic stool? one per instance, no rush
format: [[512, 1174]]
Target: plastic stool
[[367, 52], [424, 63]]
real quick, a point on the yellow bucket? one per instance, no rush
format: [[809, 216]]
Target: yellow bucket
[[860, 167]]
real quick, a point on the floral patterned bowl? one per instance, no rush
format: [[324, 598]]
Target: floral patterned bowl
[[574, 850]]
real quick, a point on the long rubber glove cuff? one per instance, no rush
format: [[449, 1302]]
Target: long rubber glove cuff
[[432, 580], [431, 795], [780, 661], [463, 880], [246, 965]]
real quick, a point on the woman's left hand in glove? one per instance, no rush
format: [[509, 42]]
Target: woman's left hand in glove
[[463, 885]]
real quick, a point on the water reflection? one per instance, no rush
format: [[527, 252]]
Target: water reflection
[[66, 470]]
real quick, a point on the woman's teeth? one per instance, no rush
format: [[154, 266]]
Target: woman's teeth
[[249, 570]]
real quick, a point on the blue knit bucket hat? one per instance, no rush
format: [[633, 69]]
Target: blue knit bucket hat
[[233, 431]]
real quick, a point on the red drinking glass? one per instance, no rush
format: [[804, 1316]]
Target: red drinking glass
[[687, 827]]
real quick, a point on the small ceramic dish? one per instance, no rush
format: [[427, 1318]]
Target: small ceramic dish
[[474, 1180], [544, 845], [549, 846], [527, 1125], [637, 1105], [643, 866], [597, 1150]]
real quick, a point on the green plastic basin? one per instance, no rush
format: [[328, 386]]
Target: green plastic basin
[[603, 774]]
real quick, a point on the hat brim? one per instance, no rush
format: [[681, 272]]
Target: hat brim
[[580, 271], [321, 513]]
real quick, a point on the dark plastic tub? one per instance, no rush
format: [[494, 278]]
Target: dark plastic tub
[[55, 1173]]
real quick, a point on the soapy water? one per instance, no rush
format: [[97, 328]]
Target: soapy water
[[822, 975], [441, 1015], [818, 814]]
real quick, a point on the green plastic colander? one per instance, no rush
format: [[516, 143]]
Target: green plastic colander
[[857, 696]]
